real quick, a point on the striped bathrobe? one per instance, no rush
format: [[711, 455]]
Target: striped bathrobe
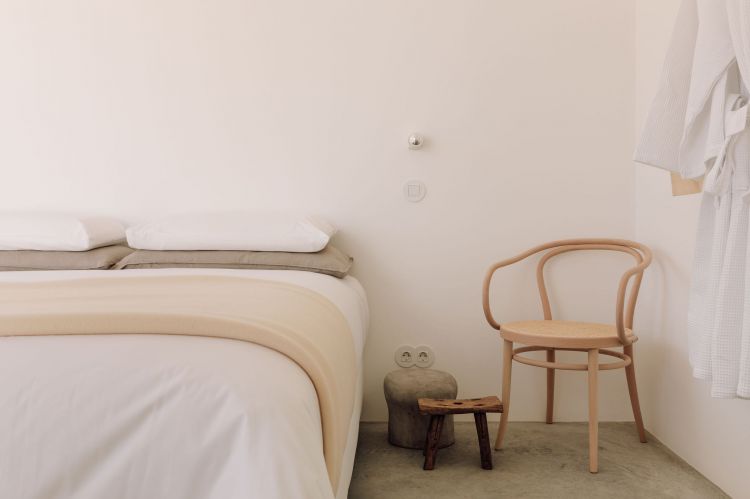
[[697, 126]]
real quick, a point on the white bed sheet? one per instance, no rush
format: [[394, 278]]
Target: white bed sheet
[[149, 416]]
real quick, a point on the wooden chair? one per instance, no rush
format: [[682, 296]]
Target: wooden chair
[[551, 335]]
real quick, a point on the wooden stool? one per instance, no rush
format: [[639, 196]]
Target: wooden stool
[[439, 408]]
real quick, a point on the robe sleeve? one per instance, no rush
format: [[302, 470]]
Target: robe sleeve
[[739, 26], [662, 134]]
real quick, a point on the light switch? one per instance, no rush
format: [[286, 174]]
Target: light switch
[[415, 191]]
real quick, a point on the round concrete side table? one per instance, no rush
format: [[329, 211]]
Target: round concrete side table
[[406, 427]]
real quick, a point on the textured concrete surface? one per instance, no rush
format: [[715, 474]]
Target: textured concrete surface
[[402, 388], [539, 461]]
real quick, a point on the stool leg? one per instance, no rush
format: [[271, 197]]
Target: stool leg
[[483, 434], [433, 439], [427, 436]]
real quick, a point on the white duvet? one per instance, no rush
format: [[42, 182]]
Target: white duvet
[[157, 417]]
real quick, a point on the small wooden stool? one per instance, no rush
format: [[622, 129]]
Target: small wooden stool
[[439, 408]]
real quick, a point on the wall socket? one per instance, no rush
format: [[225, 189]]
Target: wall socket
[[424, 356], [409, 356], [405, 356]]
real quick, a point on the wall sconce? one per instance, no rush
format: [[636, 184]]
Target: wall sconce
[[416, 141]]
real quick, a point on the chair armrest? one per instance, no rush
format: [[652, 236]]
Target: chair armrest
[[620, 316], [488, 280]]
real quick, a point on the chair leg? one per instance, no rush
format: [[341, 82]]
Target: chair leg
[[550, 386], [507, 365], [593, 369], [633, 389]]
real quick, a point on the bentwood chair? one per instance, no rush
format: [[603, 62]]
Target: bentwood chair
[[550, 335]]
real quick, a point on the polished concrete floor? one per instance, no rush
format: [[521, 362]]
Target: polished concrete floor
[[539, 461]]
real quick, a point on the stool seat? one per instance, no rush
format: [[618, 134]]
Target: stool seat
[[460, 406]]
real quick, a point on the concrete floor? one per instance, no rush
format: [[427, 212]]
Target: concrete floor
[[539, 461]]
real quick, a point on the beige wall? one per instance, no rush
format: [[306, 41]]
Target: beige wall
[[711, 434], [141, 107]]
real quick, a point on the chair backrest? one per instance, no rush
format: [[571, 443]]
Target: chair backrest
[[623, 315]]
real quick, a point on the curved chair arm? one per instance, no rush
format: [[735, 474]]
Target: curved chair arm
[[575, 244], [621, 291], [488, 280]]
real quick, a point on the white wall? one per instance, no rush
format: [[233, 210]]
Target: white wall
[[142, 107], [138, 108], [710, 434]]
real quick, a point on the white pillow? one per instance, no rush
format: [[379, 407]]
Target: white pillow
[[57, 232], [232, 231]]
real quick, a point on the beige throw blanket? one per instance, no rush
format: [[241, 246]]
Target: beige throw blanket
[[293, 320]]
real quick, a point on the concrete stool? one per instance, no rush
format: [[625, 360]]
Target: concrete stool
[[406, 426]]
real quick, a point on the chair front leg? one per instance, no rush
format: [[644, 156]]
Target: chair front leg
[[593, 369], [507, 365]]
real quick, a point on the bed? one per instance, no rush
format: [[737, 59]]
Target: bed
[[88, 416]]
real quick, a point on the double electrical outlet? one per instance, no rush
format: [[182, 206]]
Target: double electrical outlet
[[408, 356]]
